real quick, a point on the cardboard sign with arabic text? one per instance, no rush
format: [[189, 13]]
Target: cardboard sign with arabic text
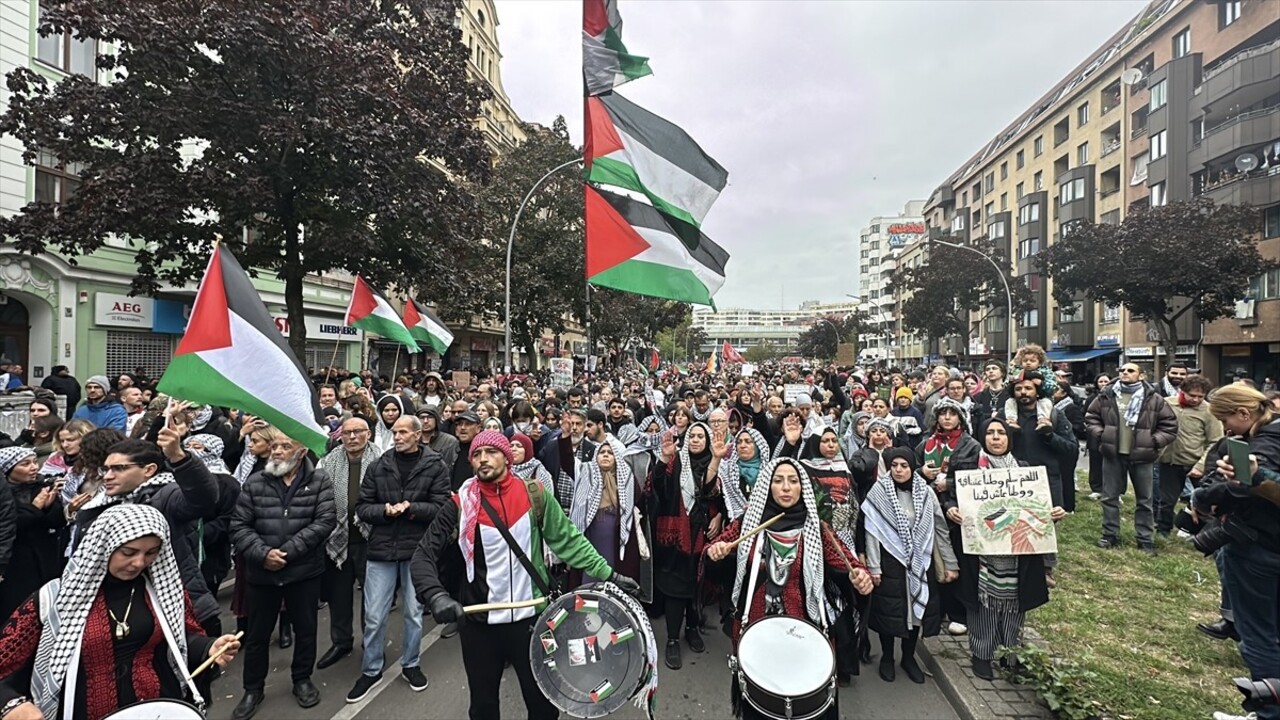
[[1006, 511]]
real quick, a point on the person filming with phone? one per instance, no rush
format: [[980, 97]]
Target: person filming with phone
[[37, 517]]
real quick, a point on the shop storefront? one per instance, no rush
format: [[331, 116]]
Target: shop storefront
[[1145, 357], [330, 341], [132, 340]]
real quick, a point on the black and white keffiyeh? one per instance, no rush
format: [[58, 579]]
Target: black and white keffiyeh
[[244, 468], [337, 466], [590, 487], [533, 469], [210, 454], [730, 487], [811, 537], [11, 456], [139, 495], [910, 543], [65, 603]]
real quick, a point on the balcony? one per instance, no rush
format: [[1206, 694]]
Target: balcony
[[1256, 64], [1109, 145], [1247, 128], [1232, 187], [1111, 97]]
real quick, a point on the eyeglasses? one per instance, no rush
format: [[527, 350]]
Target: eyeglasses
[[1129, 370], [116, 468]]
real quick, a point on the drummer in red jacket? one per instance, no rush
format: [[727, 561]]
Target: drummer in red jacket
[[495, 573], [782, 569]]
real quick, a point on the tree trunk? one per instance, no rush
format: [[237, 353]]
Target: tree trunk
[[1169, 340], [293, 275]]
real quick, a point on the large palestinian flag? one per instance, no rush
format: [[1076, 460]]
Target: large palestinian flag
[[370, 311], [232, 355], [633, 247], [606, 63], [630, 147], [426, 328]]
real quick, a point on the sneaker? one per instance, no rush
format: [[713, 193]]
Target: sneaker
[[363, 686], [416, 679], [694, 638], [1231, 716], [1094, 496], [1184, 535], [955, 628]]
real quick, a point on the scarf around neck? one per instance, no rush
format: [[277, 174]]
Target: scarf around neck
[[1138, 390], [940, 445], [590, 488], [735, 473], [688, 485], [337, 466], [909, 542]]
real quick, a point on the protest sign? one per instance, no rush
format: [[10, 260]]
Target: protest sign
[[748, 370], [791, 391], [561, 372], [1006, 511]]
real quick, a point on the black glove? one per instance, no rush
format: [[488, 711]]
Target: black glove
[[445, 609], [626, 584]]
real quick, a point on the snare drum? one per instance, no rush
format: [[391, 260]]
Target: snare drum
[[592, 650], [786, 668], [157, 710]]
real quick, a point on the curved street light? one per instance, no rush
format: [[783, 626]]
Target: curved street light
[[511, 239], [1008, 296]]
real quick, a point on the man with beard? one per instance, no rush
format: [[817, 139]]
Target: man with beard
[[399, 497], [432, 437], [1173, 378], [465, 426], [99, 408], [135, 408], [595, 427], [701, 405], [619, 423], [1042, 441], [282, 520], [346, 465], [494, 572]]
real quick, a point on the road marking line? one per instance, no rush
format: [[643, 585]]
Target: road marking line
[[349, 712]]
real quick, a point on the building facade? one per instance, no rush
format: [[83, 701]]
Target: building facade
[[1165, 110], [743, 328], [879, 245]]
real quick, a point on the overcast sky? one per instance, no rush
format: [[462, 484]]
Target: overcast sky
[[825, 113]]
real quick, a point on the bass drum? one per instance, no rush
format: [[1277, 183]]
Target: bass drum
[[157, 710], [592, 650], [786, 668]]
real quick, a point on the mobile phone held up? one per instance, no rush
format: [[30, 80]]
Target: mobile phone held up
[[1238, 455]]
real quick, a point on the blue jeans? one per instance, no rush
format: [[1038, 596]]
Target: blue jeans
[[1252, 576], [379, 587]]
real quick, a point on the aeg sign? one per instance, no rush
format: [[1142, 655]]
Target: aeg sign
[[113, 310]]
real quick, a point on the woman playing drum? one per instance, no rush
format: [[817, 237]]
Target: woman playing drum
[[783, 568], [116, 629]]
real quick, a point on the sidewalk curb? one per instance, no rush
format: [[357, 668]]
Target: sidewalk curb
[[973, 698]]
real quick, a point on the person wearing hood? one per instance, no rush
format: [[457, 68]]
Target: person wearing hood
[[99, 407], [867, 464], [796, 557], [390, 408], [688, 509], [37, 520], [998, 590], [854, 435], [433, 392], [904, 526], [434, 438]]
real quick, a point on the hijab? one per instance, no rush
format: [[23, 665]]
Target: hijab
[[586, 499], [693, 465], [735, 472], [987, 459]]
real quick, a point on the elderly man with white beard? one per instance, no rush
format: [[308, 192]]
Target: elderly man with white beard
[[282, 520]]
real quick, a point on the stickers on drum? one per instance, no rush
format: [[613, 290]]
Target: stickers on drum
[[593, 650]]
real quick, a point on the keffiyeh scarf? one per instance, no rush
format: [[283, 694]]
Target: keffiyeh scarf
[[244, 468], [1134, 408], [910, 543], [688, 486], [590, 488], [733, 471], [65, 603], [337, 467]]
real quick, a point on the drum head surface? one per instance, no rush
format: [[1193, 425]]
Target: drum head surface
[[588, 653], [156, 710], [785, 656]]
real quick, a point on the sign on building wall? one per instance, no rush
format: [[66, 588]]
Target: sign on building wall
[[111, 310], [903, 234]]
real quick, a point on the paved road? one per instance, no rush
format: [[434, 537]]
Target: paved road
[[699, 690]]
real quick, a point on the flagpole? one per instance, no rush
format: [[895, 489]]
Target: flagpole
[[511, 239], [329, 370]]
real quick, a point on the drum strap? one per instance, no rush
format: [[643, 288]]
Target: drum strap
[[517, 550], [754, 559]]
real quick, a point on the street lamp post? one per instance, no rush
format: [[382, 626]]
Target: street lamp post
[[1008, 296], [511, 239]]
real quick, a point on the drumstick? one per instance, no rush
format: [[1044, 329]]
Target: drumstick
[[212, 658], [486, 607], [762, 526], [839, 548]]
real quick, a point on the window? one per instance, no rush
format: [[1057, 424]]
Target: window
[[1228, 12], [1182, 43], [1082, 115], [1021, 159], [1020, 191], [1110, 314], [55, 181], [991, 209], [989, 184], [64, 52], [964, 197], [1082, 154], [1158, 95], [1029, 213], [1158, 148], [1111, 218], [1027, 248], [996, 230], [1062, 131], [1004, 201], [1039, 178], [1265, 286], [995, 322], [1072, 313], [1158, 195], [1072, 190], [1271, 222], [977, 191], [1004, 170], [1039, 146], [1033, 283], [957, 223], [1031, 318]]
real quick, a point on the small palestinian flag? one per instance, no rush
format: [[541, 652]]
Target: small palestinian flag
[[426, 328], [370, 311], [581, 604], [606, 63], [621, 635], [232, 355], [602, 691], [560, 616]]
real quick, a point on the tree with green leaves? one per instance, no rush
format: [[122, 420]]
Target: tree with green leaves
[[1162, 262], [951, 285], [331, 134], [683, 340], [548, 284], [618, 318], [822, 339], [762, 353]]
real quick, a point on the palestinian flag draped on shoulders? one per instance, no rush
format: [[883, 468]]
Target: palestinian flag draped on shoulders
[[232, 355], [606, 63]]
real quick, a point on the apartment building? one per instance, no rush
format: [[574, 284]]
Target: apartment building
[[879, 244], [1163, 111], [745, 328]]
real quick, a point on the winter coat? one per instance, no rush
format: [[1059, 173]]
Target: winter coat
[[66, 386], [37, 548], [8, 528], [889, 606], [1157, 425], [393, 539], [296, 519], [1240, 500], [105, 414], [1198, 429]]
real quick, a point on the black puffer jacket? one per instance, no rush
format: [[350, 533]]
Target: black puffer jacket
[[296, 519], [427, 490], [1157, 425]]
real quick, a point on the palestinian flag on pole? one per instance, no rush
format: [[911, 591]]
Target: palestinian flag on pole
[[426, 328], [630, 147], [633, 247], [370, 311], [232, 355], [606, 63]]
